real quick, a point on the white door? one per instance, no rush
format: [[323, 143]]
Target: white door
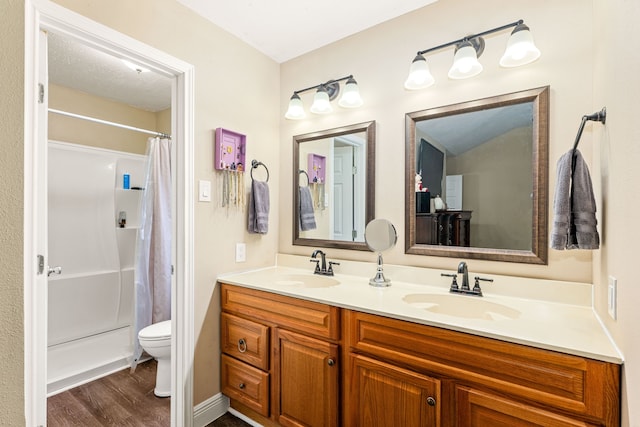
[[343, 211]]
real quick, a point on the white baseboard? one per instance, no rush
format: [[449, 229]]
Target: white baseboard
[[244, 418], [211, 409]]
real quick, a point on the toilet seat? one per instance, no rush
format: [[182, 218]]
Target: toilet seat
[[156, 332]]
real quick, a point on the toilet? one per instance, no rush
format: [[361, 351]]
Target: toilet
[[155, 339]]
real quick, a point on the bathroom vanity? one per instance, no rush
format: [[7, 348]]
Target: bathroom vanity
[[305, 350]]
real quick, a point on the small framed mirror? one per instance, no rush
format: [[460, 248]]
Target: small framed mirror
[[334, 186], [476, 179]]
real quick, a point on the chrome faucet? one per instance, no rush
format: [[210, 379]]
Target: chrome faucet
[[321, 264], [464, 288], [462, 269]]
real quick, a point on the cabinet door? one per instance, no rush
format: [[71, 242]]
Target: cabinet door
[[384, 395], [479, 409], [306, 380]]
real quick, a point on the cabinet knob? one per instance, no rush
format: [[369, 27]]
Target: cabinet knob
[[242, 345], [331, 362], [431, 401], [241, 386]]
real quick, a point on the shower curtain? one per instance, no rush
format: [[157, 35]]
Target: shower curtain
[[153, 246]]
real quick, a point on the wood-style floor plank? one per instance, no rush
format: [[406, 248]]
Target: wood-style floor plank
[[120, 399]]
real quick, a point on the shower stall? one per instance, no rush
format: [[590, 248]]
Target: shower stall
[[93, 223]]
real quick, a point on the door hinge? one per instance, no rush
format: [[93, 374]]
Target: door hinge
[[354, 170], [172, 270], [354, 234], [40, 93], [40, 264]]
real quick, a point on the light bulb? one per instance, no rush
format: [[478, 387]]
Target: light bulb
[[296, 109], [350, 95], [419, 75], [520, 48], [465, 62]]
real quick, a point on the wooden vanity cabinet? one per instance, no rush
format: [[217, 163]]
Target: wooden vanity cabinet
[[303, 341], [483, 382], [281, 365]]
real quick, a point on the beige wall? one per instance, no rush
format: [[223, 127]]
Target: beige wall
[[616, 175], [77, 131], [236, 88], [11, 212], [500, 197], [379, 59]]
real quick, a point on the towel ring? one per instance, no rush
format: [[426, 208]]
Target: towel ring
[[300, 172], [255, 164]]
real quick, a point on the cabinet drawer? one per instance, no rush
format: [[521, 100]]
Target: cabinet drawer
[[303, 316], [246, 384], [475, 408], [570, 383], [245, 340]]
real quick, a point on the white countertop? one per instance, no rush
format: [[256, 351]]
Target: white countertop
[[540, 313]]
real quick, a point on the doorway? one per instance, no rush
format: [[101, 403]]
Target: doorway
[[48, 17]]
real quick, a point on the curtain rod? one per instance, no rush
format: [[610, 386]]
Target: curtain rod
[[105, 122]]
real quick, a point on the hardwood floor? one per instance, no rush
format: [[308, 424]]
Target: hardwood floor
[[228, 420], [120, 399]]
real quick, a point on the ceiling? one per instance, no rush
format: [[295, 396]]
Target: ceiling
[[281, 29], [284, 29], [462, 132], [77, 66]]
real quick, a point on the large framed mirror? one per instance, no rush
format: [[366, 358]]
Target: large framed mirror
[[334, 186], [477, 179]]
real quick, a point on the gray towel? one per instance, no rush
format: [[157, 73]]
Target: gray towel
[[574, 206], [259, 208], [307, 217]]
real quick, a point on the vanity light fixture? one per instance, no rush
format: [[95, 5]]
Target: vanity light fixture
[[325, 93], [520, 51]]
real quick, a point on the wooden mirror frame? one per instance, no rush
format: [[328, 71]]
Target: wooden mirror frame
[[370, 130], [538, 253]]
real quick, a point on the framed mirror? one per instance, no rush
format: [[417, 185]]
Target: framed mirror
[[476, 179], [334, 186]]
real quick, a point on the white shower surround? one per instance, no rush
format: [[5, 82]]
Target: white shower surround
[[90, 310]]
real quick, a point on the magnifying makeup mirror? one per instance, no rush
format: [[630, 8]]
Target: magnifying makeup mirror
[[380, 235]]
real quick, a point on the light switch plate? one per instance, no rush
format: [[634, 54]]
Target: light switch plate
[[612, 297], [204, 191]]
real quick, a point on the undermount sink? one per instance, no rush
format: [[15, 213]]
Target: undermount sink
[[461, 306], [306, 281]]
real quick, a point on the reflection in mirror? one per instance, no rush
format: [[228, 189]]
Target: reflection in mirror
[[380, 235], [334, 186], [476, 179]]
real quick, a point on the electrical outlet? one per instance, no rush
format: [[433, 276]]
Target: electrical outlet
[[612, 297], [241, 252]]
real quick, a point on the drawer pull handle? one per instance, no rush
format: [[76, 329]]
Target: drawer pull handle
[[331, 362], [431, 401], [242, 345], [241, 385]]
